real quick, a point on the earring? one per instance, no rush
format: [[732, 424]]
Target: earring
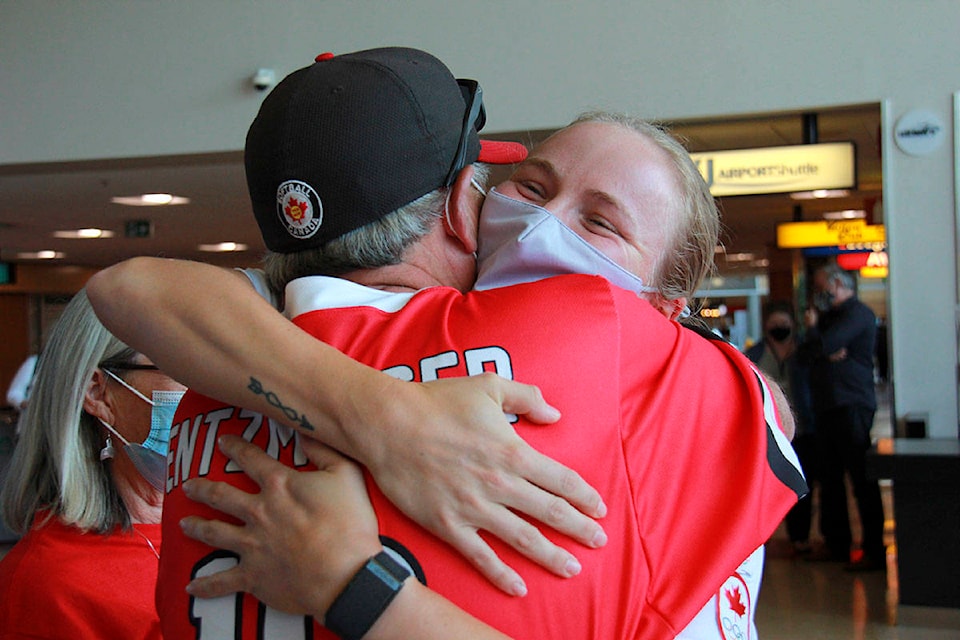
[[108, 451]]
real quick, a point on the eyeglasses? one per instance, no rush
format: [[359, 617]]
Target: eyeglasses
[[129, 366], [473, 120]]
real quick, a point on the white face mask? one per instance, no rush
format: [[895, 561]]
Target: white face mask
[[521, 242], [150, 456]]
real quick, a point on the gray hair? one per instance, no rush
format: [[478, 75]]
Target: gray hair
[[377, 244], [679, 272], [56, 465], [834, 272]]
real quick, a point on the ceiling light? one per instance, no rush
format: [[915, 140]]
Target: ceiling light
[[223, 247], [820, 193], [157, 198], [151, 200], [83, 234], [846, 214], [740, 257], [40, 255]]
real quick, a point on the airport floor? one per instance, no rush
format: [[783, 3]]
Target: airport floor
[[823, 601]]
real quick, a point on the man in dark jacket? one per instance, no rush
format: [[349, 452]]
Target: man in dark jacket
[[841, 334]]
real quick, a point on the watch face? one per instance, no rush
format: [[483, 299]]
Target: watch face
[[404, 557]]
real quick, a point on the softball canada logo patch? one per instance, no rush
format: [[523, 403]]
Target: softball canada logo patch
[[299, 208]]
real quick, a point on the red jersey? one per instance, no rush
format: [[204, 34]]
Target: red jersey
[[59, 582], [677, 432]]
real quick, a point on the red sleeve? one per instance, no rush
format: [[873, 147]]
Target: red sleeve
[[696, 441]]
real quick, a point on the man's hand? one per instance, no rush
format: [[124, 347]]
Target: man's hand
[[457, 466], [305, 533], [788, 424], [838, 355]]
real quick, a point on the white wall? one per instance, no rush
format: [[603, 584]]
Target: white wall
[[103, 78]]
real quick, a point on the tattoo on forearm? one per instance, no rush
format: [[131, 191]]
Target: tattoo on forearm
[[273, 400]]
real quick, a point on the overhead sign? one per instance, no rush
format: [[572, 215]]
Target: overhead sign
[[828, 233], [874, 272], [841, 249], [803, 167], [138, 229], [861, 259]]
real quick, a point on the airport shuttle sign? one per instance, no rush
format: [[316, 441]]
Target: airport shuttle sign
[[803, 167]]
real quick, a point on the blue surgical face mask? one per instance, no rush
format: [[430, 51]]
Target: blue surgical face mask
[[150, 456], [521, 242]]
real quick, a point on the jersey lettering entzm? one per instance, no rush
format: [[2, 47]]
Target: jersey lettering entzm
[[675, 431]]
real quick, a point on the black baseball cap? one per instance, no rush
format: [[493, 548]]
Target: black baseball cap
[[347, 140]]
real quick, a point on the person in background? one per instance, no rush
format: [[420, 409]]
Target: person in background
[[839, 346], [776, 355], [84, 489], [19, 391]]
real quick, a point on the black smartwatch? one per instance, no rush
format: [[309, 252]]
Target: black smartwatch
[[366, 597]]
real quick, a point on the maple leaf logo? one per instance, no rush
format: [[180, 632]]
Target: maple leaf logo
[[295, 210], [735, 602]]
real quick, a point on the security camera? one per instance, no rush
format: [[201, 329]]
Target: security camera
[[263, 79]]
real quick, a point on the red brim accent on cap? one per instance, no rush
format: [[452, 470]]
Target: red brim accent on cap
[[501, 152]]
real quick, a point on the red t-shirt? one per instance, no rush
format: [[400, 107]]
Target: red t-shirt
[[674, 430], [58, 582]]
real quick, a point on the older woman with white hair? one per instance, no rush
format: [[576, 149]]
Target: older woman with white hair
[[85, 489]]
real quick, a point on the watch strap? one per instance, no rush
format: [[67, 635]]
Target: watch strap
[[366, 597]]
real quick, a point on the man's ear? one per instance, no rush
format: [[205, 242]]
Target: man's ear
[[463, 210], [95, 399]]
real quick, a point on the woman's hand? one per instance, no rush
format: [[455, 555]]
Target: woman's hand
[[304, 535], [453, 463]]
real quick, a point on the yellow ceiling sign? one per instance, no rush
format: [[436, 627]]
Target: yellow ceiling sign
[[802, 167], [828, 233], [874, 272]]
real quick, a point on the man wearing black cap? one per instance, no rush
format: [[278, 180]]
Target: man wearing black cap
[[645, 596], [413, 138]]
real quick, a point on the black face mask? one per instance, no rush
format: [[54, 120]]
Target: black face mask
[[823, 300], [779, 334]]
